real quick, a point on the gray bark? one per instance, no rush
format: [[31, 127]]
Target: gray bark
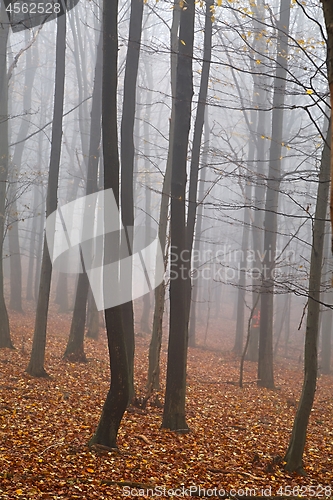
[[296, 446], [265, 361], [5, 340], [174, 406], [36, 363]]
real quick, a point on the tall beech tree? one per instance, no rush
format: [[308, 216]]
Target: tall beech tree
[[196, 147], [174, 407], [5, 340], [295, 450], [156, 337], [75, 346], [36, 363], [328, 16], [13, 234], [117, 397], [127, 161], [265, 361]]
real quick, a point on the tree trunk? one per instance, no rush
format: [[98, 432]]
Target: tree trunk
[[174, 407], [328, 15], [75, 345], [261, 86], [5, 340], [40, 240], [241, 293], [326, 313], [117, 397], [93, 318], [127, 162], [195, 159], [156, 338], [197, 242], [146, 299], [295, 450], [32, 246], [265, 361], [36, 363], [13, 235]]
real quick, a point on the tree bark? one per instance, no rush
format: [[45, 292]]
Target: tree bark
[[326, 313], [197, 242], [36, 363], [92, 318], [174, 407], [75, 345], [117, 397], [328, 15], [195, 158], [156, 338], [265, 361], [146, 299], [5, 340], [295, 450], [33, 233], [13, 235], [127, 162]]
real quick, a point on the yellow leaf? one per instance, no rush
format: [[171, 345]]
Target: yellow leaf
[[309, 91], [219, 3], [90, 470], [258, 61], [182, 41], [19, 492]]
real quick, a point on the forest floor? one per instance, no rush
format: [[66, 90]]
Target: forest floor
[[237, 441]]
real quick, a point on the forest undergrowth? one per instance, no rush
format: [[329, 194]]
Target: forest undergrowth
[[236, 444]]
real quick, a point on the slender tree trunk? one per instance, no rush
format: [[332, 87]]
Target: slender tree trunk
[[287, 326], [5, 340], [326, 314], [32, 249], [261, 86], [13, 234], [39, 253], [117, 397], [93, 318], [295, 450], [146, 299], [36, 363], [75, 345], [241, 293], [174, 407], [265, 361], [127, 162], [156, 338], [328, 15], [195, 159], [326, 341], [197, 242]]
